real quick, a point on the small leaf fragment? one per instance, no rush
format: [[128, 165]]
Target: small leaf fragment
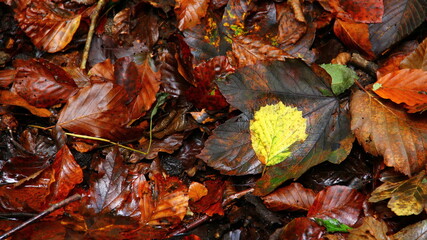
[[274, 129], [342, 77], [376, 86], [332, 225]]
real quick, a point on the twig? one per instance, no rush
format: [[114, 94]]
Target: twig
[[199, 221], [54, 207], [93, 19], [368, 66]]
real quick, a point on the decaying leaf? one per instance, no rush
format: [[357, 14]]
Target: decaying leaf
[[11, 98], [301, 226], [355, 36], [387, 130], [189, 12], [418, 58], [371, 229], [274, 130], [196, 191], [366, 11], [406, 197], [414, 231], [404, 86]]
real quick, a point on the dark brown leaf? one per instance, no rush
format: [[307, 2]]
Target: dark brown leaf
[[292, 198], [300, 229]]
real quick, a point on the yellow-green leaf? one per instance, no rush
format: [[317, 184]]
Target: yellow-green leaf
[[274, 129]]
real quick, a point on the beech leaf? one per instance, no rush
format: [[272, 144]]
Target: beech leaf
[[404, 86], [291, 198], [387, 130], [189, 12], [274, 129], [371, 229], [406, 197], [418, 58]]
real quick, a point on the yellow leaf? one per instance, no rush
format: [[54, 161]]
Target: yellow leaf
[[274, 129]]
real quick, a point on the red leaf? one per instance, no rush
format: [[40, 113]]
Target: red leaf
[[189, 12], [292, 198], [365, 11], [43, 84], [211, 203], [301, 228], [338, 202]]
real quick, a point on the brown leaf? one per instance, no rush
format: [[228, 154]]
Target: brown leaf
[[293, 197], [168, 145], [414, 231], [98, 110], [11, 98], [406, 197], [299, 227], [47, 29], [189, 12], [67, 174], [247, 50], [103, 69], [418, 58], [42, 83], [371, 229], [197, 191], [163, 203], [338, 202], [405, 86], [355, 36], [365, 11], [385, 129], [7, 76], [289, 29]]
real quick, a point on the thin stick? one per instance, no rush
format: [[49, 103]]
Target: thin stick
[[199, 221], [93, 20], [54, 207]]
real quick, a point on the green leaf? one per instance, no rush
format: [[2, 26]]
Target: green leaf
[[332, 225], [376, 86], [342, 77], [274, 129]]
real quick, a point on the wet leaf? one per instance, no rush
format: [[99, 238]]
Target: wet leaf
[[342, 77], [293, 83], [211, 203], [332, 225], [291, 198], [338, 202], [414, 231], [399, 20], [366, 11], [229, 149], [371, 229], [11, 98], [385, 129], [197, 191], [406, 197], [47, 29], [404, 86], [164, 203], [418, 58], [302, 226], [274, 129], [42, 83], [355, 36], [189, 12], [98, 110]]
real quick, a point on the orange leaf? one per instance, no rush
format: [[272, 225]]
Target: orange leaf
[[47, 29], [385, 129], [355, 36], [407, 86], [292, 198], [365, 11], [10, 98], [189, 12], [197, 191]]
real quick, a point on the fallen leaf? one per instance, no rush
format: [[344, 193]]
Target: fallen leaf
[[371, 229], [342, 77], [7, 76], [365, 11], [414, 231], [332, 225], [406, 197], [47, 29], [404, 86], [274, 130], [293, 83], [211, 203], [385, 129], [418, 58], [189, 12], [11, 98], [164, 203], [43, 84], [197, 191], [98, 110], [399, 20], [338, 202], [354, 36], [302, 226], [291, 198]]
